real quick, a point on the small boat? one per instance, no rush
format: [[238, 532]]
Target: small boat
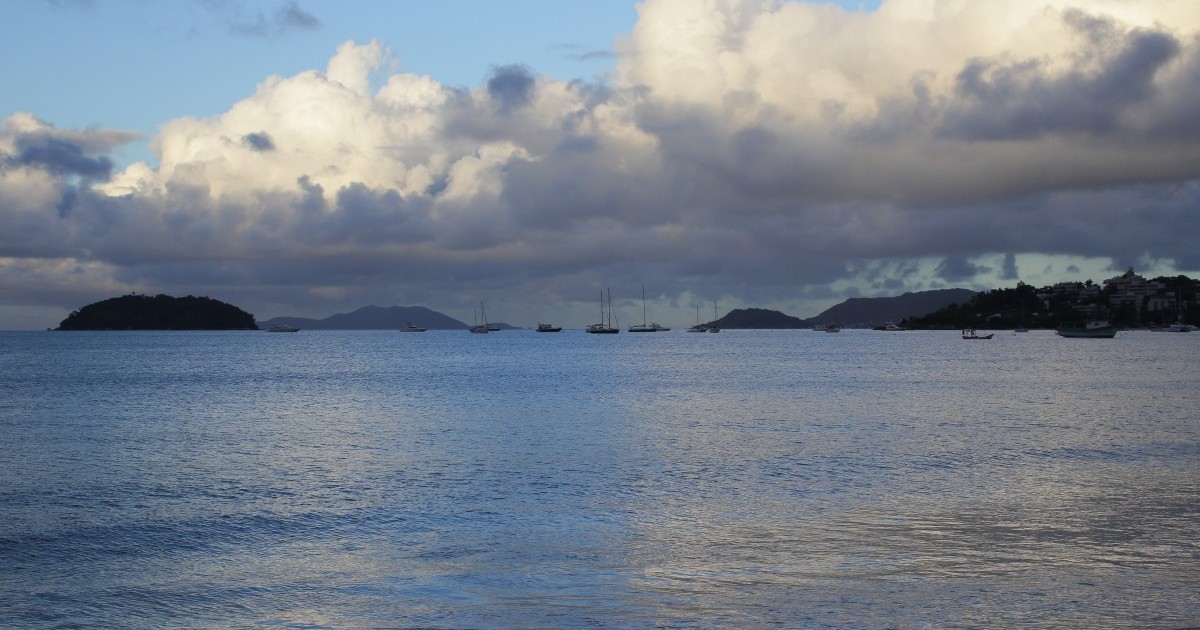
[[548, 328], [1090, 330], [969, 333], [889, 327], [832, 328], [283, 328], [410, 327]]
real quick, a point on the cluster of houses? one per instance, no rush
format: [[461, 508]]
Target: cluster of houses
[[1126, 291]]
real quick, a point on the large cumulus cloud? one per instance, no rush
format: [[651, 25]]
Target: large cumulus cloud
[[745, 149]]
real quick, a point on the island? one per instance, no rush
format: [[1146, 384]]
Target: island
[[159, 312]]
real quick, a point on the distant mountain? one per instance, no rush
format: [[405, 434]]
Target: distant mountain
[[160, 312], [871, 311], [852, 312], [758, 318], [376, 318]]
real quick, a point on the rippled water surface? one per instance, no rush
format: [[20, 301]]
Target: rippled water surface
[[521, 480]]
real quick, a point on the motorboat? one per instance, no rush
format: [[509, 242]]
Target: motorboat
[[969, 333], [283, 328], [410, 327], [548, 328]]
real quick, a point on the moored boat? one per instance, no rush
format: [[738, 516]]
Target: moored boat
[[410, 327], [605, 326], [283, 328], [548, 328], [1090, 330]]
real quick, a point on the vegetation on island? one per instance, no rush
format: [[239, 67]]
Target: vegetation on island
[[160, 312], [1068, 303]]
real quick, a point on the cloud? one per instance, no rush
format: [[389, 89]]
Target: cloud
[[511, 86], [258, 141], [743, 150], [287, 17]]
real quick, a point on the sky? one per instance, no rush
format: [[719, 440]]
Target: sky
[[308, 158]]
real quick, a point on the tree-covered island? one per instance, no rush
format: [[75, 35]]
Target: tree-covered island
[[159, 312], [1128, 301]]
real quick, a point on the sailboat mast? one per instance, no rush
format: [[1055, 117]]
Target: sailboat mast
[[643, 305]]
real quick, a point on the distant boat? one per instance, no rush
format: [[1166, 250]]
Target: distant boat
[[1090, 330], [714, 328], [605, 326], [698, 327], [888, 327], [548, 328], [833, 328], [480, 329], [969, 333], [644, 327], [410, 327], [283, 328]]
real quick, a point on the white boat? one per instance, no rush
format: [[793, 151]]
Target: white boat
[[410, 327], [969, 333], [283, 328], [605, 326]]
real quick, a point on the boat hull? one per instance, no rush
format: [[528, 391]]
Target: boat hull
[[1088, 333]]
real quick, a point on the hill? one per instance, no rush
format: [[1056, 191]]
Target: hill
[[880, 310], [759, 318], [852, 312], [376, 318], [161, 312]]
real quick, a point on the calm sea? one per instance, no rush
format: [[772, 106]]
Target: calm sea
[[749, 479]]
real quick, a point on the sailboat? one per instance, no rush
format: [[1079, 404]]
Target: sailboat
[[714, 328], [605, 327], [481, 329], [644, 327], [698, 327]]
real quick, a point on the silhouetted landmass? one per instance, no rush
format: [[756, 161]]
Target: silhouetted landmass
[[881, 310], [759, 318], [1063, 304], [376, 318], [863, 312], [160, 312]]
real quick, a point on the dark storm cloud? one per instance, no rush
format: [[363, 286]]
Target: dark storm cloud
[[1008, 271], [511, 86], [1014, 100], [957, 269], [259, 141]]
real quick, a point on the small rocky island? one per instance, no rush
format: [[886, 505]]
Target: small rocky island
[[159, 312]]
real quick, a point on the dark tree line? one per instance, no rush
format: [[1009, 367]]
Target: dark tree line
[[1009, 308]]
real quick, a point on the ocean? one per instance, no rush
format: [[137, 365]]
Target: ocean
[[749, 479]]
